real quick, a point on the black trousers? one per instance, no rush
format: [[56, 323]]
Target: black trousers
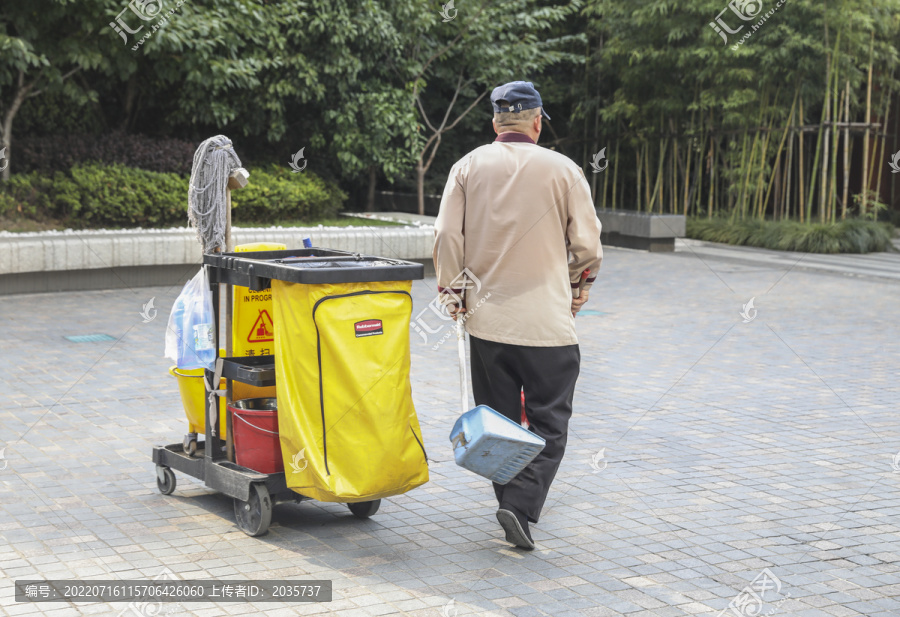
[[548, 374]]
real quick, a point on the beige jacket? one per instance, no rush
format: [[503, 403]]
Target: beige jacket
[[519, 221]]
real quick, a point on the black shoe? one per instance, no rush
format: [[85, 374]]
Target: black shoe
[[515, 525]]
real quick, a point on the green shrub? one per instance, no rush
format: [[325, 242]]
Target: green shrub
[[7, 206], [123, 196], [275, 194], [28, 196], [94, 195], [849, 236]]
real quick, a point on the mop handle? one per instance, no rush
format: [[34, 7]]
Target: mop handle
[[463, 378]]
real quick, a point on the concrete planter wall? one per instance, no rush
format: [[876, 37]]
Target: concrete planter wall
[[98, 260]]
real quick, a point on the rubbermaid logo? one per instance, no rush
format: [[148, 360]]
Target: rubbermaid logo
[[369, 327]]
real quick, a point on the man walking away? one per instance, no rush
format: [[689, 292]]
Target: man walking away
[[520, 221]]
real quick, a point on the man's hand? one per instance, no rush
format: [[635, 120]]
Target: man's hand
[[578, 302], [454, 310]]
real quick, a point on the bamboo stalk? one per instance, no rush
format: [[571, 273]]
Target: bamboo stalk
[[661, 179], [815, 167], [801, 194], [826, 108], [846, 194], [895, 138], [742, 165], [745, 189], [781, 149], [723, 192], [883, 136], [779, 182], [701, 145], [687, 168], [657, 184], [587, 117], [615, 173], [823, 196], [895, 145], [638, 176], [647, 174], [710, 167], [687, 177], [605, 187], [832, 188], [823, 193], [717, 173], [673, 193], [866, 180], [788, 196], [745, 185], [760, 204]]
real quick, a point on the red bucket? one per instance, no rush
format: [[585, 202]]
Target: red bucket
[[255, 426]]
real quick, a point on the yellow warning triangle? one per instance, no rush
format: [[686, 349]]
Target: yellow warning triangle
[[263, 330]]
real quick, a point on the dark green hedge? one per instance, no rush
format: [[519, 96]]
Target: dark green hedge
[[849, 236], [94, 195], [52, 153]]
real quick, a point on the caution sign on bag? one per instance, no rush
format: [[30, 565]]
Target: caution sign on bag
[[262, 331]]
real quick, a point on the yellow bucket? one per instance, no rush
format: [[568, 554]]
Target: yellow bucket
[[193, 398]]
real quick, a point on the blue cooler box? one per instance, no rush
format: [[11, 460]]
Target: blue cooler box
[[492, 445]]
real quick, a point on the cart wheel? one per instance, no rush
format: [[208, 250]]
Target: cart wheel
[[364, 509], [254, 516], [190, 444], [165, 480]]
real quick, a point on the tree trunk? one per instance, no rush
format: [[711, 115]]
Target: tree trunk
[[420, 185], [128, 110], [6, 136], [370, 196], [5, 144], [19, 96], [21, 92]]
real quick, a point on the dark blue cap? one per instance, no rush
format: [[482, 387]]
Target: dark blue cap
[[516, 96]]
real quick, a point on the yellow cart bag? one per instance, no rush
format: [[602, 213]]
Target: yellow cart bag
[[349, 431]]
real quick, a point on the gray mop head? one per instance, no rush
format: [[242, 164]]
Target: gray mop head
[[214, 161]]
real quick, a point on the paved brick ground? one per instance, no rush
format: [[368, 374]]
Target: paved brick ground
[[704, 452]]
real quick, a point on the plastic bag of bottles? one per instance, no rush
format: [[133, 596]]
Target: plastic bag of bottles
[[190, 335]]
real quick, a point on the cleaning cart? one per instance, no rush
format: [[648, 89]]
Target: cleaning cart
[[328, 434]]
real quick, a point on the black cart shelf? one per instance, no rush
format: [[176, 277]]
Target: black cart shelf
[[212, 461]]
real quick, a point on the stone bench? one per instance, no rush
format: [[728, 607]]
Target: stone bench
[[641, 230]]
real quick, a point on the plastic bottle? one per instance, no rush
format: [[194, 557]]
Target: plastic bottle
[[197, 347], [203, 338], [178, 327]]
